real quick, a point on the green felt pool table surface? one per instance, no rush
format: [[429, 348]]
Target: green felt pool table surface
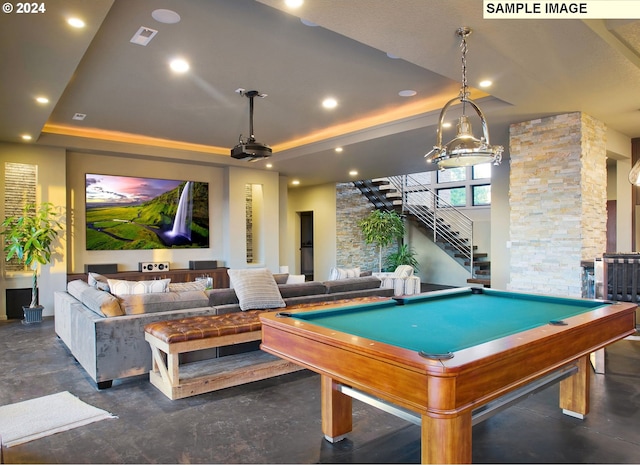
[[449, 322]]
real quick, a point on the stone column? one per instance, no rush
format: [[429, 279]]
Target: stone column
[[557, 200]]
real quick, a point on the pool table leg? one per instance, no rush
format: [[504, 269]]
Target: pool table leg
[[574, 391], [446, 440], [336, 410]]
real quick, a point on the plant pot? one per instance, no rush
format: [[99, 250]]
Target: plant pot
[[32, 314]]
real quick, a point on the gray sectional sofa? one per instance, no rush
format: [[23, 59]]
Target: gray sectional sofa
[[105, 333]]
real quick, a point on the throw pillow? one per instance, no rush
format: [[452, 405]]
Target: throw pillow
[[184, 287], [281, 278], [295, 279], [98, 281], [344, 273], [256, 289], [121, 287]]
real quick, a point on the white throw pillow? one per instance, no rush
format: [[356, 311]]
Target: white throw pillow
[[344, 273], [295, 279], [121, 287], [256, 289]]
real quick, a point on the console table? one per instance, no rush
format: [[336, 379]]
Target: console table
[[219, 276]]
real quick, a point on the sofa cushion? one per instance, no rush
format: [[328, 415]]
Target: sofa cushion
[[352, 284], [343, 273], [256, 289], [134, 304], [99, 302], [302, 289], [219, 297], [121, 287], [98, 281]]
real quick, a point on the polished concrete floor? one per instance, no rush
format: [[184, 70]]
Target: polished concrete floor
[[278, 420]]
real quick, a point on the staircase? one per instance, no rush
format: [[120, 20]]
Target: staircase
[[447, 226]]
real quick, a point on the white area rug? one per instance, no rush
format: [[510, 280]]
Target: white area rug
[[36, 418]]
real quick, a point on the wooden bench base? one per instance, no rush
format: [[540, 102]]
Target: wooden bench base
[[169, 339], [178, 381]]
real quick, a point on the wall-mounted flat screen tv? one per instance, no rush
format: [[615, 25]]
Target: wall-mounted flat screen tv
[[128, 213]]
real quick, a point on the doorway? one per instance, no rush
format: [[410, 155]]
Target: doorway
[[306, 245]]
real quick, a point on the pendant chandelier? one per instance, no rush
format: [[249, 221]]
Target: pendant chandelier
[[465, 149]]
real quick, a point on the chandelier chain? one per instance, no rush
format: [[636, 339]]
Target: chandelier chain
[[464, 90]]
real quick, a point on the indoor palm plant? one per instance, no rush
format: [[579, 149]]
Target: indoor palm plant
[[29, 238], [382, 228], [405, 255]]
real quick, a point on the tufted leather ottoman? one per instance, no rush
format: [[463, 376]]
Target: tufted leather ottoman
[[168, 339]]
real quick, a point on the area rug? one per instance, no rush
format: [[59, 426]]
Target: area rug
[[36, 418]]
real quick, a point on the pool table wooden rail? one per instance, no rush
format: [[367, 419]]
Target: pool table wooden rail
[[444, 392], [471, 378]]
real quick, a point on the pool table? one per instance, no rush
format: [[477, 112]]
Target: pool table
[[444, 356]]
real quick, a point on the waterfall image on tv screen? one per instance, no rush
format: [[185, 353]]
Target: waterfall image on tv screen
[[124, 213]]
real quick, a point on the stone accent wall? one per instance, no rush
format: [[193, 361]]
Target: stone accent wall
[[557, 198], [351, 250]]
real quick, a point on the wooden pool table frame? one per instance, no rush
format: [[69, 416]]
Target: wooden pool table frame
[[445, 392]]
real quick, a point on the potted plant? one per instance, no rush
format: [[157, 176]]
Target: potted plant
[[404, 256], [382, 228], [29, 238]]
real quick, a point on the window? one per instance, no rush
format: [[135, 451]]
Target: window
[[452, 175], [481, 195], [482, 171], [455, 196]]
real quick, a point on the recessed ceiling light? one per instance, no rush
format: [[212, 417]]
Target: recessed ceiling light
[[330, 103], [295, 182], [269, 165], [485, 83], [76, 22], [407, 93], [294, 3], [42, 100], [353, 173], [179, 65], [446, 125], [26, 137], [165, 16], [338, 149]]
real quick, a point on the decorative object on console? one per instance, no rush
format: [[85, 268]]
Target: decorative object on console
[[29, 238], [465, 149], [125, 213], [147, 267], [102, 268], [203, 264]]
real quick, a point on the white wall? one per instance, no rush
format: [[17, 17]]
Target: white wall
[[234, 220], [321, 200], [79, 164], [51, 188]]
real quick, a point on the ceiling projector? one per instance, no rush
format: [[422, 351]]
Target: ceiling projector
[[251, 151]]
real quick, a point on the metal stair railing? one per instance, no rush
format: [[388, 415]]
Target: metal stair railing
[[447, 223]]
